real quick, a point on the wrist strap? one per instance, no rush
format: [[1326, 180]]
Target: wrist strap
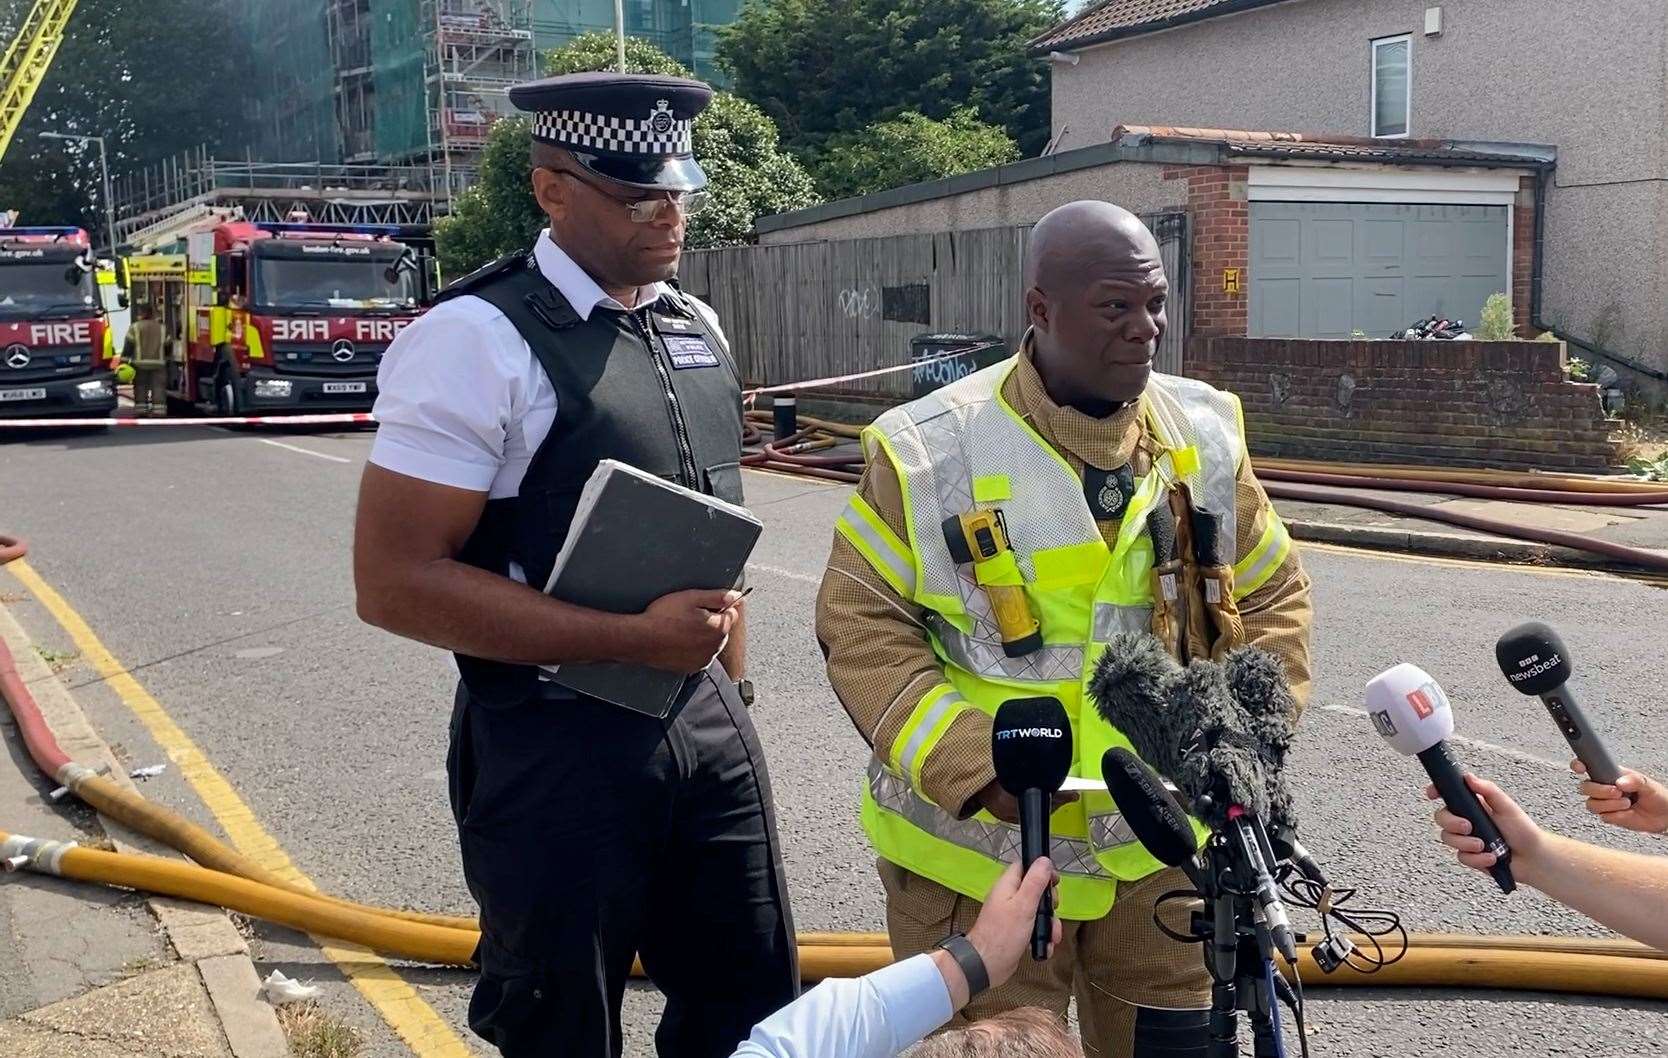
[[971, 962]]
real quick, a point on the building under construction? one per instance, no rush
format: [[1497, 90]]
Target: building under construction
[[394, 82], [420, 82]]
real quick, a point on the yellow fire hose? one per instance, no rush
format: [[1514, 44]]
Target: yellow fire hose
[[228, 879], [1541, 964]]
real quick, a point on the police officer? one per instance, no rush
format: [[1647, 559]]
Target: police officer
[[589, 832]]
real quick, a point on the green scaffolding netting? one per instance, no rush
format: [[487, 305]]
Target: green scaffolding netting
[[293, 114], [399, 47]]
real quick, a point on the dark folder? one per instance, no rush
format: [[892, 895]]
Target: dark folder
[[636, 537]]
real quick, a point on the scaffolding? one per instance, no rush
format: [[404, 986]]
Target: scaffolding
[[441, 77], [292, 109], [348, 23]]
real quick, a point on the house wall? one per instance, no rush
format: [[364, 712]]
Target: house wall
[[1589, 78], [1137, 186]]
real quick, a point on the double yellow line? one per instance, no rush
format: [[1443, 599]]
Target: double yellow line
[[418, 1024]]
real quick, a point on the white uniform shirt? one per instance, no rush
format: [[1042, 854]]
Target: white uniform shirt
[[462, 400]]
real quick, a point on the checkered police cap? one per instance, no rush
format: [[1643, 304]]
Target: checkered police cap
[[634, 129]]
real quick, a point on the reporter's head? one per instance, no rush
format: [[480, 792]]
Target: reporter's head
[[1029, 1032]]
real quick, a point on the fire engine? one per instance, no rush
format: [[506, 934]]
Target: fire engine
[[292, 317], [55, 342]]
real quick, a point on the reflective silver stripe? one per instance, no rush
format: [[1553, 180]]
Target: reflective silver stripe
[[997, 841], [982, 657], [1109, 831], [1110, 619], [923, 727], [902, 571]]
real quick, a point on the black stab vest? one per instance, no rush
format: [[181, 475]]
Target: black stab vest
[[653, 388]]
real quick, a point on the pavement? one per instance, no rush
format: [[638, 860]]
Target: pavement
[[105, 972], [211, 568]]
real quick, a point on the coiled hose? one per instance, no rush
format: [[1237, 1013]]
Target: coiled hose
[[227, 879]]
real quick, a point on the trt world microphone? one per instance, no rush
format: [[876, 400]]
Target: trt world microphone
[[1412, 713], [1535, 661], [1030, 744], [1153, 815]]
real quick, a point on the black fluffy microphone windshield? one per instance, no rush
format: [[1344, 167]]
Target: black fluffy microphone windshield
[[1220, 758], [1155, 818], [1131, 691], [1258, 683], [1030, 744]]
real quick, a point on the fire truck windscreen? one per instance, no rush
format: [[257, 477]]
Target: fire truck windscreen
[[40, 289], [332, 277]]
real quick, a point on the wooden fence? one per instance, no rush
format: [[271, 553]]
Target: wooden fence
[[812, 310]]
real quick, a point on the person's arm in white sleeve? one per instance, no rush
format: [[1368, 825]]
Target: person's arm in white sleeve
[[448, 390], [882, 1013]]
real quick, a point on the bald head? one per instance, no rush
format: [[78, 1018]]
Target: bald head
[[1080, 240], [1095, 293]]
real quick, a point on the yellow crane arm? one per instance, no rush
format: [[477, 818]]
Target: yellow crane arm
[[26, 61]]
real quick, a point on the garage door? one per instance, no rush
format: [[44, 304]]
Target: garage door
[[1327, 269]]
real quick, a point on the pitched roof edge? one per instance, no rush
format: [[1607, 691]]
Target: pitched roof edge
[[1230, 7]]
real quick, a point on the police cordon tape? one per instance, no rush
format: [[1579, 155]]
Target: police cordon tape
[[359, 418]]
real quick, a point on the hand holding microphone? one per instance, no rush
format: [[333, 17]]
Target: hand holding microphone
[[1030, 745], [1410, 710], [1456, 831], [1536, 662], [1635, 801]]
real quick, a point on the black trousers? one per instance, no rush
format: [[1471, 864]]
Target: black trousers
[[590, 833]]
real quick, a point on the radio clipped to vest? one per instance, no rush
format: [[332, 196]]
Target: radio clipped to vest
[[981, 538]]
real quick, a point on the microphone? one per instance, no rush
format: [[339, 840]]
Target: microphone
[[1536, 662], [1409, 709], [1030, 744], [1259, 684], [1131, 690], [1188, 724], [1157, 821], [1223, 776]]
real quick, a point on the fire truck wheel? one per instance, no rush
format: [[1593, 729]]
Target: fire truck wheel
[[225, 393]]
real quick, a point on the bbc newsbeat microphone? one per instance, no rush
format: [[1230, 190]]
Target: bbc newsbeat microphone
[[1030, 744], [1412, 713], [1536, 662]]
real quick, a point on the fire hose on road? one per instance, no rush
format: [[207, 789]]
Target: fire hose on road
[[223, 877]]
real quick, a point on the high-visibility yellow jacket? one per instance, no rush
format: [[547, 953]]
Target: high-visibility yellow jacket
[[965, 447]]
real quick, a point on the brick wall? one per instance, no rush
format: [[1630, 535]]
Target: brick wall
[[1503, 404], [1221, 221]]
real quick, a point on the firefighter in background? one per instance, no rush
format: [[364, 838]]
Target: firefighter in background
[[1087, 455], [144, 350]]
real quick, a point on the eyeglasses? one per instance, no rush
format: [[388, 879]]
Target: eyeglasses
[[647, 210]]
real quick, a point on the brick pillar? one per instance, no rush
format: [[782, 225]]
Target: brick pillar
[[1523, 254], [1221, 220]]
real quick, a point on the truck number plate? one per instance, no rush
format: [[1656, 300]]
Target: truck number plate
[[22, 394], [344, 387]]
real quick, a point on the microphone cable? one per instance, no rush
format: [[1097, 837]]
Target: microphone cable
[[1371, 923]]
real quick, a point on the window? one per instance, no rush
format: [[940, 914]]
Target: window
[[1392, 85]]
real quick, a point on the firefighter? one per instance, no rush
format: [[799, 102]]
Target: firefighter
[[143, 349], [1080, 446], [589, 832]]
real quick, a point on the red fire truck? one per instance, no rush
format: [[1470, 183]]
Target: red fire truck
[[55, 341], [288, 317]]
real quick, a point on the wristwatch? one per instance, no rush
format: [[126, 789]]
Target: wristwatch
[[971, 962], [744, 688]]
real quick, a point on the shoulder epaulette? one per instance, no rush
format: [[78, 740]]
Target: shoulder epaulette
[[483, 275]]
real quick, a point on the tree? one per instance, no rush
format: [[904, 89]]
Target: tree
[[750, 176], [909, 149], [825, 67], [119, 74]]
